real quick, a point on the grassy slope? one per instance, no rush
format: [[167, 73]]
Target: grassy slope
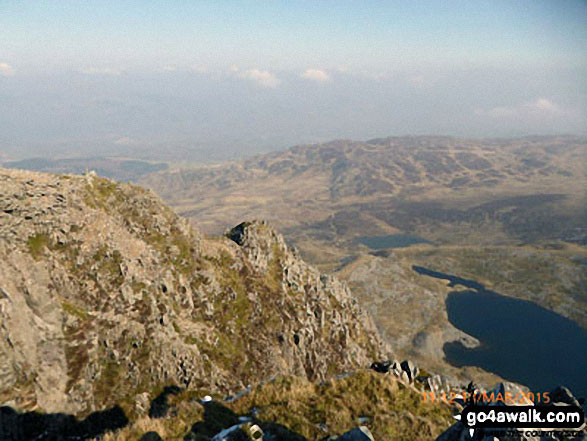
[[311, 411]]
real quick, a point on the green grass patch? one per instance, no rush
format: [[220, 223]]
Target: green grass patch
[[37, 244], [76, 311], [392, 410]]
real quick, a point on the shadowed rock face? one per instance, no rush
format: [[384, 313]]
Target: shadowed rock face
[[107, 295], [237, 233], [151, 436], [159, 406], [15, 426]]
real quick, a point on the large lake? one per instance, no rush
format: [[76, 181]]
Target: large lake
[[390, 241], [520, 340]]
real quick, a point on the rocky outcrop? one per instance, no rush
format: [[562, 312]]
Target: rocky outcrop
[[325, 304], [406, 371], [106, 296], [359, 434]]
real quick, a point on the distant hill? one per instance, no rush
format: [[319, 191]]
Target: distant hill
[[445, 190], [126, 170], [508, 212]]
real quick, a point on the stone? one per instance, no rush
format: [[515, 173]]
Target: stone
[[237, 234], [561, 394], [381, 366], [151, 436], [409, 368], [142, 403], [361, 433]]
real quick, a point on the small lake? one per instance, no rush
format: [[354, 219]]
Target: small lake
[[520, 340], [390, 241]]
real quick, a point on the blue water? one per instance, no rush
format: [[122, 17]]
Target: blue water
[[390, 241], [520, 340]]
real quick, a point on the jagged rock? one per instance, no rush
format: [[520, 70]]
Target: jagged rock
[[381, 366], [410, 369], [563, 395], [151, 436], [434, 383], [106, 293], [237, 234], [142, 403], [361, 433]]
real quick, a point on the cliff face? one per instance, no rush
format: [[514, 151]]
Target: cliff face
[[106, 296]]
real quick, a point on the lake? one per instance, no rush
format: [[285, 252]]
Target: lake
[[390, 241], [520, 340]]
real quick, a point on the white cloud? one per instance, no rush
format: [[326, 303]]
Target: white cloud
[[544, 105], [539, 107], [6, 70], [233, 69], [100, 71], [316, 75], [125, 141], [497, 112], [261, 77], [200, 69], [169, 68]]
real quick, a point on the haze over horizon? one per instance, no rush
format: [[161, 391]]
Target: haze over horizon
[[236, 78]]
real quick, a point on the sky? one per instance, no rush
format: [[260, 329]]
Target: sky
[[173, 78]]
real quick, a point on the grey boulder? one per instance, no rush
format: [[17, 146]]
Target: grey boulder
[[361, 433]]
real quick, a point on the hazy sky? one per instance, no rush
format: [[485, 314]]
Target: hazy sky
[[118, 76]]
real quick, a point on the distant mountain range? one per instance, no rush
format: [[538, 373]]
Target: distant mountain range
[[510, 213], [524, 189]]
